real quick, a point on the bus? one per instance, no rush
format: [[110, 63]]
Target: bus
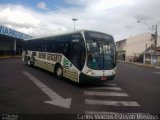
[[83, 56]]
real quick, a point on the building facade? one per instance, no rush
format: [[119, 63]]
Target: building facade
[[121, 50], [139, 49], [11, 41]]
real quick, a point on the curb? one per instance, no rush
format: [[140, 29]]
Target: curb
[[139, 64], [7, 57]]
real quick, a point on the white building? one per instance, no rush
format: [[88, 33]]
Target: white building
[[139, 48], [121, 49]]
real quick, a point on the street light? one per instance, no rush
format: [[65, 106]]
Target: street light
[[145, 24], [74, 19], [155, 38]]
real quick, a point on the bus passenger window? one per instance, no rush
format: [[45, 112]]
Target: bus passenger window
[[66, 50], [74, 54]]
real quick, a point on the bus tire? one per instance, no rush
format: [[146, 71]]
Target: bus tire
[[58, 71]]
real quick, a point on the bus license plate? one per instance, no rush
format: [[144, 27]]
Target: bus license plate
[[103, 78]]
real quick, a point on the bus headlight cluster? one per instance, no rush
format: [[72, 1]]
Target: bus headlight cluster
[[90, 72]]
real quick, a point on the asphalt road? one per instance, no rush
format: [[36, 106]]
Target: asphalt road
[[134, 90]]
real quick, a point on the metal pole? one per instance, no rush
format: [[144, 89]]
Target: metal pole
[[74, 19], [155, 44], [74, 26], [14, 46], [156, 35]]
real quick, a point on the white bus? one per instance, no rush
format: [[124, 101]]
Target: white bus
[[82, 56]]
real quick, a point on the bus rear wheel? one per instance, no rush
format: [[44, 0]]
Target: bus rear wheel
[[59, 71]]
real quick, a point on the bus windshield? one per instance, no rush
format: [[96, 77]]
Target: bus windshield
[[100, 51]]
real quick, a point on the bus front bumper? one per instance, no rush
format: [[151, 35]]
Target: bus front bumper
[[92, 79]]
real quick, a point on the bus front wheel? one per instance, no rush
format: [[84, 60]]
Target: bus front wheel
[[59, 71]]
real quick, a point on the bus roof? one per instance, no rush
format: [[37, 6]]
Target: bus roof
[[79, 31]]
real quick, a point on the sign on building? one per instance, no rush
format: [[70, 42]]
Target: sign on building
[[13, 33]]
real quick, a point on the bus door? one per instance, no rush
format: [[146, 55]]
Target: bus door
[[78, 52]]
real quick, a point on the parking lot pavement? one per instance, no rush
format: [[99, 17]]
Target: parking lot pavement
[[30, 90], [20, 95]]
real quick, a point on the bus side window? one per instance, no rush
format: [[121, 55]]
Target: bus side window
[[58, 44], [77, 52], [66, 50], [74, 54], [49, 45], [82, 53]]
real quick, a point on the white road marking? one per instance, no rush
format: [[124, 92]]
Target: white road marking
[[109, 88], [105, 93], [112, 103], [55, 98]]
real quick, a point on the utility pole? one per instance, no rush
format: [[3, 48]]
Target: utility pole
[[156, 34], [155, 44]]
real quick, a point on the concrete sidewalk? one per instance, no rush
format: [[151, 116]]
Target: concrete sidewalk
[[7, 57], [141, 64]]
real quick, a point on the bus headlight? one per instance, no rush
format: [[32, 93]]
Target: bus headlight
[[90, 72]]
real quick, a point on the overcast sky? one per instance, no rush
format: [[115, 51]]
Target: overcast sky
[[48, 17]]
